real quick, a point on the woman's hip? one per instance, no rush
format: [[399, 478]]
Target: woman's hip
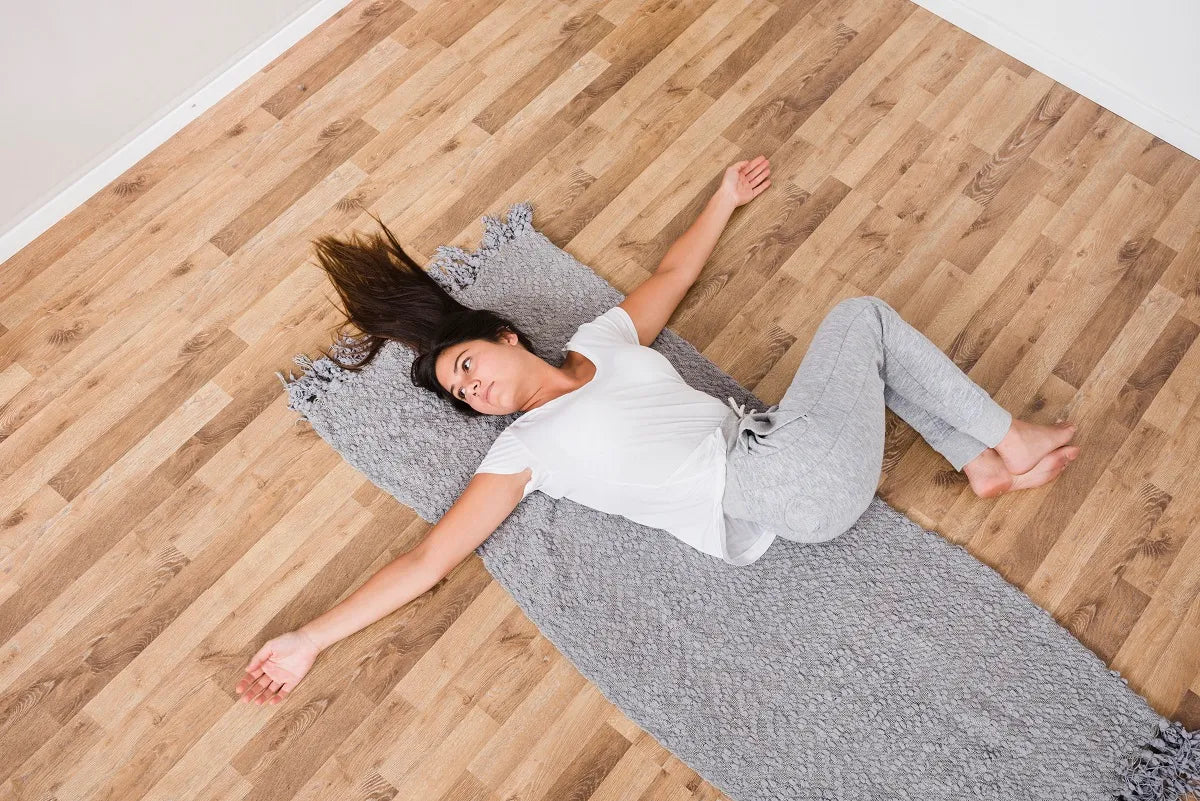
[[808, 477], [809, 503]]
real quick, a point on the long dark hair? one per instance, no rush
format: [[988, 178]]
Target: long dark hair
[[387, 296]]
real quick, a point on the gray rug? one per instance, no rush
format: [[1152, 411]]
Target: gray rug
[[888, 663]]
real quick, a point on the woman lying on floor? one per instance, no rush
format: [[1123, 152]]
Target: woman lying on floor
[[616, 428]]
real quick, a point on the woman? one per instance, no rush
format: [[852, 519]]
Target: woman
[[615, 427]]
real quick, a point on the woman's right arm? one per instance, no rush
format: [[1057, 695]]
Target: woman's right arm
[[283, 661]]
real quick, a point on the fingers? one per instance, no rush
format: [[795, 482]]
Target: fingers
[[273, 693], [759, 183], [253, 670], [756, 173], [248, 680], [256, 661], [265, 690], [269, 694], [258, 687], [255, 685], [753, 166]]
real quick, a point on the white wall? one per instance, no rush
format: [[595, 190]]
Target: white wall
[[80, 81], [1137, 58]]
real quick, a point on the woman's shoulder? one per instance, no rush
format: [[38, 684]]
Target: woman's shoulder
[[613, 327], [579, 365]]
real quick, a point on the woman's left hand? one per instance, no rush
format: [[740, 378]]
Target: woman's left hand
[[746, 180]]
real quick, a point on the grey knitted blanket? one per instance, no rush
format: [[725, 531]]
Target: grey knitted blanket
[[888, 663]]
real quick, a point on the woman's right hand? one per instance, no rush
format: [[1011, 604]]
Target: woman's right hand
[[278, 666]]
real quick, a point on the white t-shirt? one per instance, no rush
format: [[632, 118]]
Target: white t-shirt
[[636, 440]]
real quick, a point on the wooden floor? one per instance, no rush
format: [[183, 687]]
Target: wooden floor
[[163, 514]]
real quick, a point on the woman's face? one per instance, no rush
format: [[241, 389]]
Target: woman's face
[[485, 375]]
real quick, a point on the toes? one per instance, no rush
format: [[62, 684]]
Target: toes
[[1064, 457]]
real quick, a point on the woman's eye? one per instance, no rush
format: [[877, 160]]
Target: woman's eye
[[466, 361]]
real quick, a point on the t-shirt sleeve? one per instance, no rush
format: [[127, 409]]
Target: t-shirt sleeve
[[615, 326], [509, 455]]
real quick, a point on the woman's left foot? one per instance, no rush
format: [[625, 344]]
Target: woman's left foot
[[988, 475]]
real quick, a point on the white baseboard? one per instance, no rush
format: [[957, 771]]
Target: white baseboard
[[33, 226], [1076, 77]]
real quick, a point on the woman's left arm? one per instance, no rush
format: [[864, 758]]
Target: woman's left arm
[[742, 182]]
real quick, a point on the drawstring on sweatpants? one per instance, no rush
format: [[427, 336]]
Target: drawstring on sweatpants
[[757, 424], [748, 422], [740, 408]]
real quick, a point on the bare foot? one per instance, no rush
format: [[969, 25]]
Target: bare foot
[[1047, 469], [1025, 444], [989, 477]]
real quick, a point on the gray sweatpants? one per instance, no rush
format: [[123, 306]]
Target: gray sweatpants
[[808, 466]]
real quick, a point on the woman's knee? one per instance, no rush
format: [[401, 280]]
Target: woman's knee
[[860, 302], [812, 520], [813, 535], [867, 311], [808, 520]]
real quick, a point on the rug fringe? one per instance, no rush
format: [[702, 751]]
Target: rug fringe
[[455, 268], [1167, 768], [318, 376]]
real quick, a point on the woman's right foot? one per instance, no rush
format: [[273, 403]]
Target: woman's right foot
[[1027, 444]]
